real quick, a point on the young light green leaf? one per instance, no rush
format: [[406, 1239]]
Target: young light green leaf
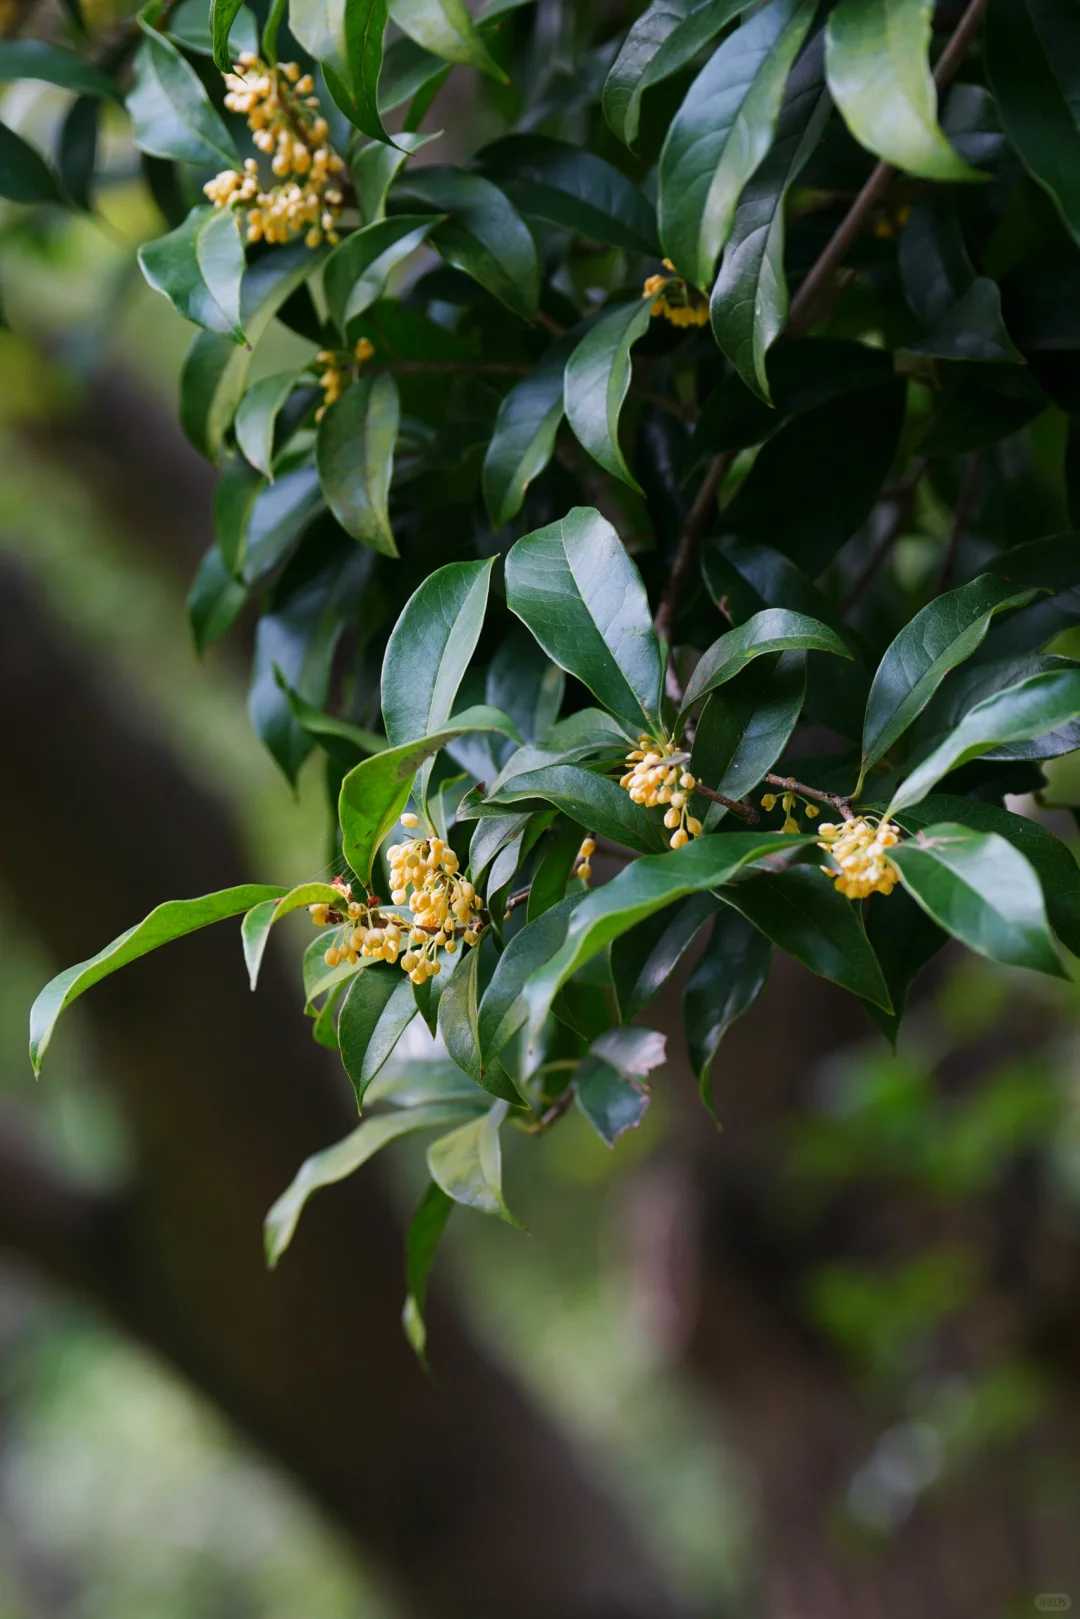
[[377, 1010], [52, 64], [596, 382], [573, 585], [721, 133], [524, 437], [573, 189], [483, 233], [643, 959], [591, 800], [445, 28], [979, 888], [425, 1229], [939, 637], [728, 978], [255, 928], [344, 1157], [171, 113], [375, 791], [749, 302], [354, 452], [165, 923], [24, 174], [356, 273], [199, 267], [774, 630], [801, 911], [1030, 708], [878, 67], [256, 418], [467, 1164]]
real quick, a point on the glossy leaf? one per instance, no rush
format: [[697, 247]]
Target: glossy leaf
[[1031, 708], [502, 1009], [525, 684], [171, 113], [524, 438], [165, 922], [257, 416], [24, 174], [445, 28], [939, 637], [199, 267], [430, 648], [743, 731], [573, 189], [774, 630], [591, 800], [643, 959], [879, 76], [365, 27], [483, 233], [375, 792], [467, 1164], [973, 685], [77, 151], [749, 302], [573, 585], [52, 64], [255, 929], [608, 1080], [215, 601], [377, 1009], [904, 939], [356, 273], [979, 888], [596, 382], [344, 1158], [222, 16], [375, 167], [1031, 63], [728, 978], [666, 37], [552, 874], [721, 133], [422, 1239], [354, 452]]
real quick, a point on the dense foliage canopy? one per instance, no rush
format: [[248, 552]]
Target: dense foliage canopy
[[577, 530]]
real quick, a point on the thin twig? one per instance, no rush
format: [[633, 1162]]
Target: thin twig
[[686, 556], [554, 1113], [746, 811], [964, 501], [816, 285], [902, 499], [836, 800]]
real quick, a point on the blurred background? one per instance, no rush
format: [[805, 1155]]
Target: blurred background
[[823, 1363]]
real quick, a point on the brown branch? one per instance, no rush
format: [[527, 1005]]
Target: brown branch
[[902, 499], [836, 801], [746, 811], [816, 285], [964, 501]]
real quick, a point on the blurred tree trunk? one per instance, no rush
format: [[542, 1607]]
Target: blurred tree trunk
[[458, 1490]]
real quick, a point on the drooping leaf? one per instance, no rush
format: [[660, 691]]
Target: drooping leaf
[[365, 27], [721, 133], [608, 1081], [483, 234], [1031, 64], [502, 1009], [222, 16], [344, 1157], [939, 637], [199, 267], [749, 302], [377, 1010], [979, 887], [725, 983], [743, 731], [467, 1164], [164, 923], [879, 76], [596, 381], [552, 873], [774, 630], [215, 601], [356, 273], [591, 800], [573, 585], [666, 37], [524, 438], [354, 452], [445, 28], [257, 416], [644, 958], [171, 113], [973, 685], [53, 64], [573, 189], [255, 928], [422, 1239], [24, 174], [904, 939]]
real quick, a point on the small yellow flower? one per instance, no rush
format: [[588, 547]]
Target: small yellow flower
[[656, 779], [858, 851]]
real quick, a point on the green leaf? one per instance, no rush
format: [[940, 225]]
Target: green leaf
[[905, 940], [199, 267], [549, 880], [356, 273], [939, 637], [644, 887], [223, 14], [573, 585], [608, 1080], [425, 1229], [741, 734], [644, 958], [467, 1164], [979, 681], [375, 792], [749, 302], [979, 888], [374, 168], [483, 233], [1030, 708], [1054, 565], [171, 113], [525, 684], [24, 174], [378, 1008], [165, 923], [215, 600], [234, 498], [801, 911], [1031, 65], [502, 1008], [344, 1157], [77, 150], [721, 133], [572, 189], [666, 37], [445, 28], [774, 630], [52, 64], [973, 330], [459, 1028], [256, 418], [365, 28], [592, 801], [524, 438], [597, 380], [354, 452], [878, 68], [328, 728], [191, 27], [728, 978], [255, 928]]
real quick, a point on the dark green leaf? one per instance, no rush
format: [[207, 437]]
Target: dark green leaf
[[467, 1164], [774, 630], [596, 382], [234, 497], [1054, 565], [458, 1026], [215, 600], [483, 234], [76, 153], [171, 113], [742, 732], [378, 1009], [222, 16], [592, 801], [425, 1229], [726, 982], [24, 174], [199, 267], [193, 28], [257, 415], [977, 682], [721, 133], [524, 437], [356, 273], [573, 189], [973, 330], [365, 26], [445, 28], [354, 451], [666, 37], [644, 958], [525, 684], [502, 1009], [904, 939], [1031, 62], [608, 1081], [549, 880], [52, 64], [375, 167]]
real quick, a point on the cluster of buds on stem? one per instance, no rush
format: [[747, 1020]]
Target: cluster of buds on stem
[[363, 932], [445, 906], [288, 128], [675, 299], [337, 368], [858, 849], [789, 803], [583, 858], [658, 777]]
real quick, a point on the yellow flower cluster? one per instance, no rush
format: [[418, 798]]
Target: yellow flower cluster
[[583, 858], [858, 848], [674, 299], [656, 778], [336, 370], [288, 127], [364, 932], [789, 803], [442, 902]]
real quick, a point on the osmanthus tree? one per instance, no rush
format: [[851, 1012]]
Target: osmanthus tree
[[577, 530]]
